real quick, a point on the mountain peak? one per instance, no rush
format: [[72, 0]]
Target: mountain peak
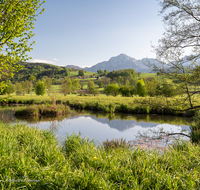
[[122, 61]]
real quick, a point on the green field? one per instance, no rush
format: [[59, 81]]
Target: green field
[[148, 75], [75, 73], [152, 105]]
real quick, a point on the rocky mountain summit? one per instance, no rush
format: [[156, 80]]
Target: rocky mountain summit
[[122, 61]]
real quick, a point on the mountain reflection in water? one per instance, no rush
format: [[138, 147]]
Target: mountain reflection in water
[[101, 129], [99, 126]]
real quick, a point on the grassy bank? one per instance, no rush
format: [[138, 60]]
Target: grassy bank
[[109, 104], [33, 159], [43, 110]]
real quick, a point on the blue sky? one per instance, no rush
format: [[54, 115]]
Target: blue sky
[[86, 32]]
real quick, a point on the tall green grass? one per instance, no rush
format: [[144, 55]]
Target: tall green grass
[[43, 110], [33, 159]]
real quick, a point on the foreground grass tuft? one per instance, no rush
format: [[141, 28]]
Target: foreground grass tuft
[[79, 164]]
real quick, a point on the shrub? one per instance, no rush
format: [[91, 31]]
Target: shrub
[[112, 89], [40, 88], [141, 89]]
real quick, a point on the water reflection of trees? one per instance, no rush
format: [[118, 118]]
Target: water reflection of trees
[[175, 120], [7, 116]]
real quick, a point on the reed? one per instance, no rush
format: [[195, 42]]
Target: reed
[[43, 110]]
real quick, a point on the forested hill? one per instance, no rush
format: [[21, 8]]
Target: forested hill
[[39, 70]]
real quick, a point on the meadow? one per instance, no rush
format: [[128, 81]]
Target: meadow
[[75, 73], [34, 159], [109, 104]]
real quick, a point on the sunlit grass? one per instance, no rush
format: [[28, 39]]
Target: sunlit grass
[[154, 105], [28, 154]]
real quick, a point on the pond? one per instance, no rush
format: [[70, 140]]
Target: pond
[[100, 126]]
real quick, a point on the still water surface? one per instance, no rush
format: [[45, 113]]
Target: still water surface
[[101, 127]]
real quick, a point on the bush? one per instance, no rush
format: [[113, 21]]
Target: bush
[[112, 89], [195, 129], [141, 89], [9, 88], [19, 89], [40, 88]]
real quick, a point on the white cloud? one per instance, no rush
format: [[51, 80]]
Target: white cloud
[[42, 61], [55, 59]]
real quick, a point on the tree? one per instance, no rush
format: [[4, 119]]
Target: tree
[[24, 87], [82, 83], [112, 89], [48, 82], [29, 87], [75, 84], [100, 83], [67, 71], [139, 74], [100, 71], [152, 86], [90, 84], [92, 88], [40, 88], [106, 81], [18, 88], [106, 72], [81, 73], [127, 91], [9, 88], [141, 89], [168, 88], [16, 24], [182, 30], [32, 78], [66, 86], [179, 50]]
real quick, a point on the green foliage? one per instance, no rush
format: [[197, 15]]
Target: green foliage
[[75, 85], [40, 88], [17, 22], [82, 83], [48, 82], [67, 71], [112, 89], [66, 86], [195, 129], [115, 144], [124, 73], [168, 88], [152, 86], [18, 88], [43, 110], [100, 71], [32, 78], [90, 84], [100, 82], [6, 88], [141, 88], [139, 74], [127, 91], [92, 89], [81, 73], [9, 89]]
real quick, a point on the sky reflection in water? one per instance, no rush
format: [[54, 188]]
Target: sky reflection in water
[[101, 129]]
